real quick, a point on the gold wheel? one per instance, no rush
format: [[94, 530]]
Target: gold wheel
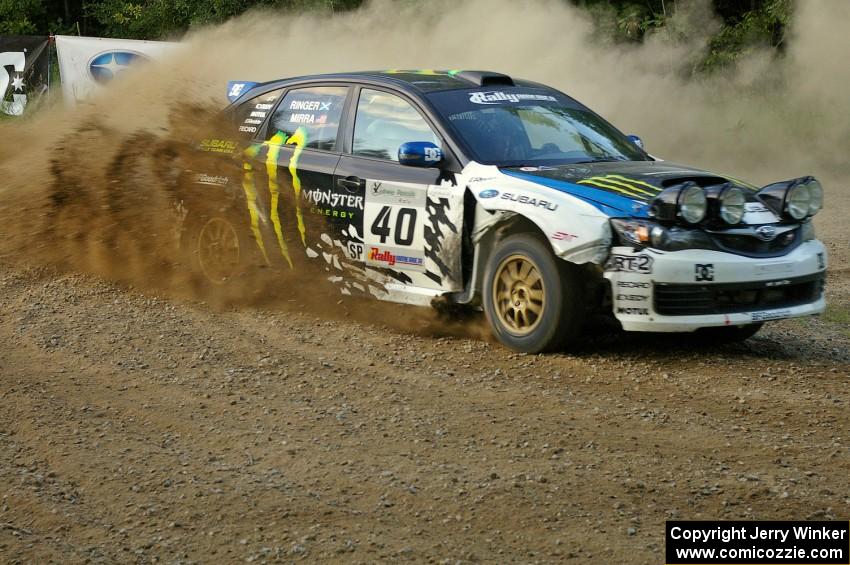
[[218, 250], [518, 294]]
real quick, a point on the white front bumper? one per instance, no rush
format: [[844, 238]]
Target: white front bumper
[[636, 276]]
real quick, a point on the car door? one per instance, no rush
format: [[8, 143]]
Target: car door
[[412, 216], [293, 203]]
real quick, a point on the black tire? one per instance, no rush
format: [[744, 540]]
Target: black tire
[[217, 245], [727, 334], [513, 321]]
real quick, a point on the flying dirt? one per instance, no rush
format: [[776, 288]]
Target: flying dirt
[[144, 416]]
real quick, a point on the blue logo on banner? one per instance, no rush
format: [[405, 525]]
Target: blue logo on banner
[[489, 193], [106, 65]]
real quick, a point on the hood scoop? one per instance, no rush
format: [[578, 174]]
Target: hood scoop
[[700, 180]]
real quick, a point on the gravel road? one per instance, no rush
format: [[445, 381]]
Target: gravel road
[[137, 428]]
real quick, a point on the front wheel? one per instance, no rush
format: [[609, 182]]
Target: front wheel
[[532, 300]]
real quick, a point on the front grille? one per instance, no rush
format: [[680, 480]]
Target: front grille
[[753, 246], [728, 298]]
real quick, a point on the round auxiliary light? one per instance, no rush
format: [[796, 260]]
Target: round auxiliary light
[[732, 203], [692, 204], [815, 196], [797, 201]]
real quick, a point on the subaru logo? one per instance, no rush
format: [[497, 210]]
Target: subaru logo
[[766, 233], [489, 193], [103, 67]]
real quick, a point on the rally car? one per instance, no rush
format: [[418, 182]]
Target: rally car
[[475, 188]]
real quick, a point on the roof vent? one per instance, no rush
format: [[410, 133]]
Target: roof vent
[[486, 78]]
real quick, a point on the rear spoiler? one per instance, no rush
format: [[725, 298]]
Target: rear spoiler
[[236, 88]]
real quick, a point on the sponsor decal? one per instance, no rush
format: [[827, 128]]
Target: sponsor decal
[[481, 179], [218, 145], [772, 315], [821, 261], [633, 311], [766, 233], [498, 97], [704, 272], [433, 154], [489, 193], [529, 201], [630, 264], [310, 105], [332, 199], [308, 119], [257, 114], [235, 91], [632, 284], [248, 129], [391, 259], [756, 207], [265, 106], [563, 236], [253, 121], [211, 180], [632, 297], [105, 66], [332, 213], [398, 194]]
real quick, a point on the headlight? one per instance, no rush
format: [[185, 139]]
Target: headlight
[[815, 196], [797, 201], [692, 204], [732, 202], [632, 232], [640, 233], [793, 199]]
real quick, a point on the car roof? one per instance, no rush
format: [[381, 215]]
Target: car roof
[[419, 81]]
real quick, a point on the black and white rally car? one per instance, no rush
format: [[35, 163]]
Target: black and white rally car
[[475, 188]]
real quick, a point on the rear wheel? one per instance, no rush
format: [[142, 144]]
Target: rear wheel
[[215, 246], [532, 300]]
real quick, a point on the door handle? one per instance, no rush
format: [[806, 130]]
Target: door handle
[[351, 182]]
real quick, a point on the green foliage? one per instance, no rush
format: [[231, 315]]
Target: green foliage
[[17, 16], [155, 19], [747, 24], [764, 27]]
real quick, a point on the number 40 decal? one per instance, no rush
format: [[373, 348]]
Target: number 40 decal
[[405, 225]]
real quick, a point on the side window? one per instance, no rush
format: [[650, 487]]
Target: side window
[[384, 122], [317, 109], [250, 115]]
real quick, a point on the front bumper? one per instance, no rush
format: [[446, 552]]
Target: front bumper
[[682, 291]]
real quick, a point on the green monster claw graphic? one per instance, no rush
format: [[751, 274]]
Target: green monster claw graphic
[[274, 144]]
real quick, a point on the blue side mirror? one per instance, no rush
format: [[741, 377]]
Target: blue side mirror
[[419, 154], [636, 140]]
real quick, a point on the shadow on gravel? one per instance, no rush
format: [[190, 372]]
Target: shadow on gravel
[[770, 344]]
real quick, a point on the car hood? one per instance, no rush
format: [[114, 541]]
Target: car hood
[[618, 187]]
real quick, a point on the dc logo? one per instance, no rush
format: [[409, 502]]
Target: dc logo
[[433, 154], [105, 66], [704, 272]]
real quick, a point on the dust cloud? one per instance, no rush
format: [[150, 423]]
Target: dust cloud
[[87, 189]]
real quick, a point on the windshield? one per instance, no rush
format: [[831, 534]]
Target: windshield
[[524, 127]]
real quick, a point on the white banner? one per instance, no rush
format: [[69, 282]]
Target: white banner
[[87, 64]]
